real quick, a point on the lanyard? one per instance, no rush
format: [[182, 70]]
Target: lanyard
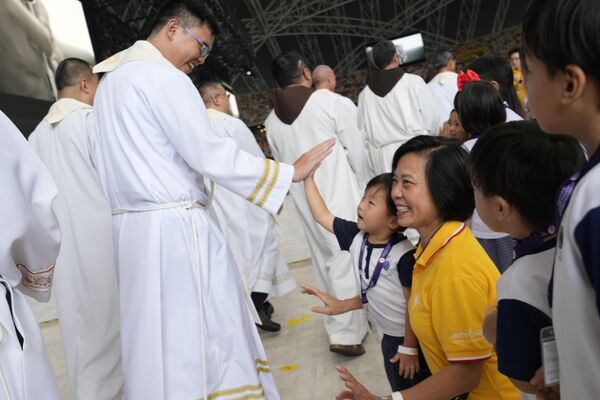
[[537, 242], [378, 267]]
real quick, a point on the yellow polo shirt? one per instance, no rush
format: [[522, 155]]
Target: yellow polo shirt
[[454, 286]]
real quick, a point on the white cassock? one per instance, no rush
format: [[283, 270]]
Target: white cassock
[[85, 280], [187, 331], [313, 122], [29, 244], [444, 88], [249, 230], [393, 108]]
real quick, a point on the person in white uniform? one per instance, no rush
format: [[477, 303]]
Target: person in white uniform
[[443, 85], [85, 281], [300, 119], [187, 328], [248, 230], [29, 244], [392, 108], [349, 135]]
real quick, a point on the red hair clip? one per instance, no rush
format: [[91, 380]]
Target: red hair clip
[[469, 76]]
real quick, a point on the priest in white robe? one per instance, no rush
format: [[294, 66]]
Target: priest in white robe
[[347, 132], [29, 244], [444, 84], [248, 230], [85, 280], [300, 119], [187, 331], [392, 108]]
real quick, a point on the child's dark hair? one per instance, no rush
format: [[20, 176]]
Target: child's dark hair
[[563, 32], [479, 106], [524, 165], [446, 174], [498, 69], [384, 182]]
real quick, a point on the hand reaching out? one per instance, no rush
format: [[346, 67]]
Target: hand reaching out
[[332, 306], [308, 162], [356, 391]]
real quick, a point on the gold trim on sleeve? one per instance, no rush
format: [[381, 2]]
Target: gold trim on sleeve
[[261, 182], [238, 390], [269, 188]]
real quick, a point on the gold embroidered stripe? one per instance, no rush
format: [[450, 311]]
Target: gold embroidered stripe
[[238, 390], [265, 370], [262, 362], [269, 188], [260, 183]]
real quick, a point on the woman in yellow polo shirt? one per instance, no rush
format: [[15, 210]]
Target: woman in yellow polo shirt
[[454, 281]]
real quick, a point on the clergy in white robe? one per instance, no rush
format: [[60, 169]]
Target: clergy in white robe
[[85, 282], [392, 108], [444, 84], [302, 118], [29, 244], [347, 130], [187, 331], [248, 230]]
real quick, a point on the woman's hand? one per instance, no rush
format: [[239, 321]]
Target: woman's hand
[[355, 391], [409, 365]]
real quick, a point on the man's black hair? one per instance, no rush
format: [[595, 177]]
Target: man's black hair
[[496, 68], [70, 71], [287, 68], [479, 106], [525, 166], [384, 182], [383, 51], [563, 32], [188, 12], [446, 174], [513, 51]]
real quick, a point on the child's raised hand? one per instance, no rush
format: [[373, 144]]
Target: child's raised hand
[[331, 305]]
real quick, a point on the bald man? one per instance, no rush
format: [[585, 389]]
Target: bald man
[[249, 230], [85, 279], [351, 139]]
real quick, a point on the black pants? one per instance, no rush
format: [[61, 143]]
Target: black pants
[[389, 348]]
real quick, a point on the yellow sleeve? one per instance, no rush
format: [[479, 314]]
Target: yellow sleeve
[[458, 308]]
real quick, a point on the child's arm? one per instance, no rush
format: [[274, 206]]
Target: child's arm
[[332, 306], [409, 364], [318, 208]]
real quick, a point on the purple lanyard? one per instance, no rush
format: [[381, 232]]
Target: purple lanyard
[[535, 243], [376, 272]]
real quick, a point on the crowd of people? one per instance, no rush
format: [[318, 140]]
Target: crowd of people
[[456, 220]]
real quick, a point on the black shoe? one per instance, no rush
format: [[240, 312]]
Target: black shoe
[[269, 309], [347, 350], [267, 324]]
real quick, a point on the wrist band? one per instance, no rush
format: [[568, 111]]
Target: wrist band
[[397, 396], [409, 351]]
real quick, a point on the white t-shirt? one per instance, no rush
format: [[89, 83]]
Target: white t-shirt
[[386, 301]]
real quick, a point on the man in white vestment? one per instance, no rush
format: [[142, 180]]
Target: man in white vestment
[[392, 108], [300, 119], [444, 84], [348, 133], [187, 330], [85, 281], [29, 244], [248, 230]]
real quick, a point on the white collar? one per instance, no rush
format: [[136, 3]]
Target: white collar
[[443, 77], [141, 50], [215, 114], [63, 107]]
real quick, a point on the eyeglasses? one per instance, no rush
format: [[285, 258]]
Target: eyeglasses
[[204, 47]]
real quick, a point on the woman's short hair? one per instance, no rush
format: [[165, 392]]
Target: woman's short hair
[[446, 174], [525, 166], [479, 106]]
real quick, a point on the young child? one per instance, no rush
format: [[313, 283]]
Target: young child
[[479, 107], [561, 67], [384, 261], [516, 170], [454, 129]]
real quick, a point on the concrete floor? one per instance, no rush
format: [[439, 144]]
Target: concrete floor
[[299, 355]]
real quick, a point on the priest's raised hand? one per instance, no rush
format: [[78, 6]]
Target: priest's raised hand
[[310, 160]]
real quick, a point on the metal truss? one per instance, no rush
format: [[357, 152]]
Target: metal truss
[[469, 11], [500, 17], [436, 24]]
